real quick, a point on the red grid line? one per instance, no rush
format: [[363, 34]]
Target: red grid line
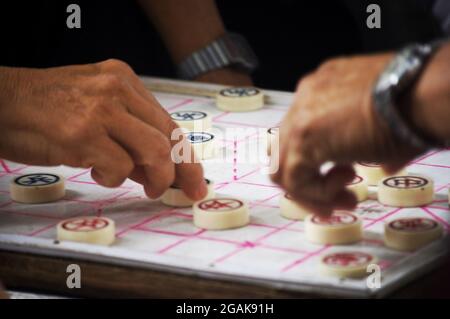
[[258, 184], [72, 178], [96, 203], [39, 231], [6, 203], [5, 167], [441, 187], [382, 218], [179, 242], [439, 207], [425, 156], [432, 165], [255, 242], [144, 221], [240, 124], [162, 231], [259, 204], [305, 258], [180, 104], [220, 116], [230, 254], [436, 217], [234, 160]]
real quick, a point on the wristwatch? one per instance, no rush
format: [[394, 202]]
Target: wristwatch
[[231, 49], [397, 78]]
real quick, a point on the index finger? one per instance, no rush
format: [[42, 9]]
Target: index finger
[[322, 193], [142, 104]]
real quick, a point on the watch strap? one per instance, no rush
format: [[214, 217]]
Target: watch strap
[[231, 49], [398, 76]]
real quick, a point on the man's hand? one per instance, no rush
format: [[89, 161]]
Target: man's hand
[[98, 115], [332, 119]]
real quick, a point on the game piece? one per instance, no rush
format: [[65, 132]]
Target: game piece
[[240, 99], [87, 229], [192, 121], [338, 229], [359, 187], [221, 213], [408, 234], [372, 172], [292, 210], [37, 188], [406, 191], [272, 138], [175, 196], [347, 264], [203, 144]]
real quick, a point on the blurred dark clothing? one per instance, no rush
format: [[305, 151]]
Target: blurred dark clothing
[[290, 37], [35, 34]]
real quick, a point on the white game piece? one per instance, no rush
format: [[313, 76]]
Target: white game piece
[[408, 234], [175, 197], [406, 191], [292, 210], [203, 144], [193, 121], [359, 187], [347, 264], [338, 229], [240, 99], [372, 172], [87, 229], [272, 138], [37, 188], [221, 213]]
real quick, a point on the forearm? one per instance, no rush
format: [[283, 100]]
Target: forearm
[[7, 81], [185, 26], [428, 104]]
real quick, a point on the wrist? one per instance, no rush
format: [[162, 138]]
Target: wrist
[[394, 82], [426, 106], [226, 76]]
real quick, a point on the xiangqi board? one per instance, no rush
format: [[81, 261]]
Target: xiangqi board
[[269, 250]]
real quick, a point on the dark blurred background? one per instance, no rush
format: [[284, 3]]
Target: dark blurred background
[[290, 37]]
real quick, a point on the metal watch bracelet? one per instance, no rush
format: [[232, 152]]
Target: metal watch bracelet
[[397, 77], [231, 49]]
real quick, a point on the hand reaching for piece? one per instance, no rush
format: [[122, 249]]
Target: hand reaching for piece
[[332, 119], [97, 115]]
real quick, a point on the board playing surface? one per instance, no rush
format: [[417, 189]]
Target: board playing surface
[[271, 250]]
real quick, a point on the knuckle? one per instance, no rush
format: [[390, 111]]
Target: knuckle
[[305, 83], [110, 81], [118, 65], [114, 63], [328, 65], [164, 150]]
